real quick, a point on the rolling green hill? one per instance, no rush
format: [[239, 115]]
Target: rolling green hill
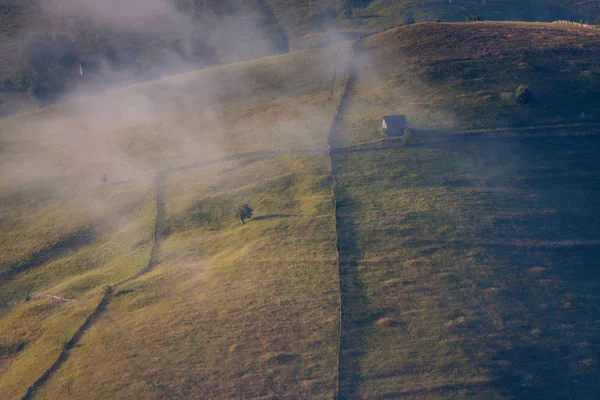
[[66, 232], [448, 77], [462, 268], [231, 310]]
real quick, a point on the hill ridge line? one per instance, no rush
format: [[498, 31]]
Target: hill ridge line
[[588, 26]]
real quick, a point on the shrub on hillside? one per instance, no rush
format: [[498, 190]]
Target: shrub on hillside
[[473, 18], [523, 94], [597, 23], [244, 212]]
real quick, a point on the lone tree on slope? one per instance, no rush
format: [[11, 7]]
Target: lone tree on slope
[[244, 212]]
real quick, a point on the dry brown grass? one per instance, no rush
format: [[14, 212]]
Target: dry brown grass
[[231, 310], [448, 77], [470, 274]]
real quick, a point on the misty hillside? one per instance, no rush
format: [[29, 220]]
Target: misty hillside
[[145, 39], [81, 204], [249, 230], [142, 34]]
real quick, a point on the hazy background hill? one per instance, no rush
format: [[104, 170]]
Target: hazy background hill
[[146, 39]]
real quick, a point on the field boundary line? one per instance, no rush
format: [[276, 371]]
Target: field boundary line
[[33, 298], [349, 73], [383, 144]]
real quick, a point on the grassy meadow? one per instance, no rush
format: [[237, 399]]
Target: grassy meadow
[[447, 77], [471, 273], [231, 310], [467, 266], [32, 336], [79, 213], [280, 101], [58, 247], [78, 204]]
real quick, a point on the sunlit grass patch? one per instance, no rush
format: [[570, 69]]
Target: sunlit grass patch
[[232, 309], [32, 336]]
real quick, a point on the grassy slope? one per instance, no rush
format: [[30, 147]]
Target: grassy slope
[[31, 338], [471, 273], [386, 13], [59, 248], [300, 18], [279, 101], [287, 101], [273, 102], [232, 310], [464, 76]]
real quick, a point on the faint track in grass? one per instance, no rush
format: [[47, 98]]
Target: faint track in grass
[[106, 295]]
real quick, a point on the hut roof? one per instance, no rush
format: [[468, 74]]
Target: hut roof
[[393, 121]]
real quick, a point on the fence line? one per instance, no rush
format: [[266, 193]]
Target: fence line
[[381, 144], [331, 138], [396, 143], [158, 213], [31, 298]]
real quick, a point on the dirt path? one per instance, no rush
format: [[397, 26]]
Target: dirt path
[[106, 294]]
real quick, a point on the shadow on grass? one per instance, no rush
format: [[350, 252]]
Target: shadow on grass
[[123, 292], [550, 345], [62, 247], [273, 216], [356, 316], [541, 335]]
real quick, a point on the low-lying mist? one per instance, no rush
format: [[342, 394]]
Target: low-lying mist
[[123, 136]]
